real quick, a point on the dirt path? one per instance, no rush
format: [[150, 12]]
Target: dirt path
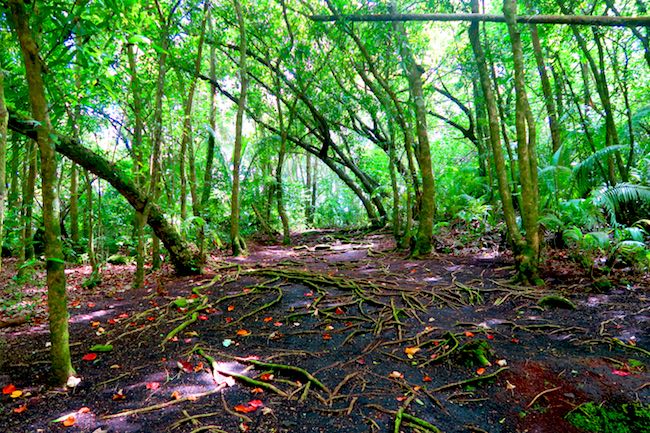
[[340, 335]]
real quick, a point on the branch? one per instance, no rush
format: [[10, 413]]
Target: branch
[[582, 20]]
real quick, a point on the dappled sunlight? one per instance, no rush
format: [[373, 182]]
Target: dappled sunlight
[[87, 317]]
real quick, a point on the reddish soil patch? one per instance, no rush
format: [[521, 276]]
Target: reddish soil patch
[[377, 330]]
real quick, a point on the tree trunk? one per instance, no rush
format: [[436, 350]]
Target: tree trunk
[[505, 192], [138, 167], [207, 174], [549, 102], [525, 127], [413, 72], [309, 208], [55, 265], [4, 121], [238, 245]]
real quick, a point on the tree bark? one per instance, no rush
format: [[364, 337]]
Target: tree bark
[[55, 265]]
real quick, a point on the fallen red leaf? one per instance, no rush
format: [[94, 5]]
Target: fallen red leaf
[[268, 319], [20, 409], [621, 373], [339, 311], [119, 396], [123, 316], [277, 324], [266, 376], [309, 294], [469, 334], [184, 365], [426, 379], [203, 317], [490, 337], [327, 336], [89, 357], [480, 371], [8, 389], [256, 403], [91, 305], [228, 319], [84, 410], [152, 385]]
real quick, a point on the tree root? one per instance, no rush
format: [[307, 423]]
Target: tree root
[[240, 377], [468, 381], [163, 405], [406, 417]]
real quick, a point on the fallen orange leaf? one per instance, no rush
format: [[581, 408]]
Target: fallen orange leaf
[[426, 379], [244, 409], [20, 409], [268, 319], [231, 307], [257, 390], [327, 336], [243, 332], [176, 395], [480, 371], [266, 376], [198, 367], [469, 334], [84, 410], [69, 421], [410, 351]]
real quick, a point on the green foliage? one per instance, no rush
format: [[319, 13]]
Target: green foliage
[[598, 418], [117, 259]]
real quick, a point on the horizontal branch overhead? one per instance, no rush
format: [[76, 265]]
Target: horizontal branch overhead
[[584, 20]]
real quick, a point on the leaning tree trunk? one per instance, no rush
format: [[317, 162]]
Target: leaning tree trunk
[[55, 265], [183, 255]]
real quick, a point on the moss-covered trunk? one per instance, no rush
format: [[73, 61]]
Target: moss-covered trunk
[[183, 255], [56, 290], [4, 121]]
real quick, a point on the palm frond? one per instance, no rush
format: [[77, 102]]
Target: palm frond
[[614, 198], [583, 171]]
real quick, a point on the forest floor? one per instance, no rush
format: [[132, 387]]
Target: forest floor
[[340, 334]]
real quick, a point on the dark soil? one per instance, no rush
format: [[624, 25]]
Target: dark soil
[[344, 309]]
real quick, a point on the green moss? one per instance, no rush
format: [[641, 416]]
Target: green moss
[[627, 418]]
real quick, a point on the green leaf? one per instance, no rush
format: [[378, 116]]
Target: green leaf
[[139, 39], [101, 348]]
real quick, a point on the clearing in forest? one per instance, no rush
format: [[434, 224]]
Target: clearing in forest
[[341, 334]]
